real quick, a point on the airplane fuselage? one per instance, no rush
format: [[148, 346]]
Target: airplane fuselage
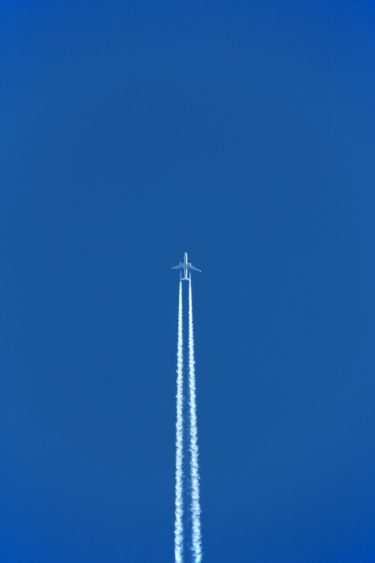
[[186, 268]]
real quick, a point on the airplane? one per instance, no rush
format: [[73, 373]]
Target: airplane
[[186, 268]]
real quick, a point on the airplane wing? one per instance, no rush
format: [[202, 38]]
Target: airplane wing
[[194, 268], [178, 267]]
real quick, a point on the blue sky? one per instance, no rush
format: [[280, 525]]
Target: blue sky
[[242, 132]]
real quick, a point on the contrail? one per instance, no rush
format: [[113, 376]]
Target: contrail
[[179, 501], [194, 461]]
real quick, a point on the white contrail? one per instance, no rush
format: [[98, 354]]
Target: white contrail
[[179, 501], [194, 461]]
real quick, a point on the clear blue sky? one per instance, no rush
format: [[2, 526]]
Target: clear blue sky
[[242, 132]]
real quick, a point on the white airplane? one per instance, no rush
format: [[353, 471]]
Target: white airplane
[[186, 268]]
